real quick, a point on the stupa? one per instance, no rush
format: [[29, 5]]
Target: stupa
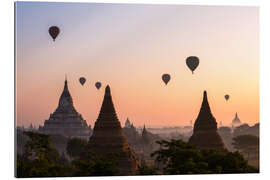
[[127, 123], [236, 121], [145, 136], [66, 120], [108, 137], [205, 134]]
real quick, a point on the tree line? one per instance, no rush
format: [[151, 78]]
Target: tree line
[[41, 159]]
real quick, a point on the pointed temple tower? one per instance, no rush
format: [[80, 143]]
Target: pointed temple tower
[[145, 136], [205, 133], [108, 137], [146, 142], [236, 121], [66, 120], [127, 123]]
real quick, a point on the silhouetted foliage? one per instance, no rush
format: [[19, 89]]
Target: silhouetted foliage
[[244, 142], [76, 146], [146, 170], [179, 157], [89, 164], [40, 159]]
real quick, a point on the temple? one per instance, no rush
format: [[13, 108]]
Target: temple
[[236, 121], [127, 123], [205, 135], [145, 136], [108, 137], [66, 120]]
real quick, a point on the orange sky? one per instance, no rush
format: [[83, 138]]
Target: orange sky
[[130, 51]]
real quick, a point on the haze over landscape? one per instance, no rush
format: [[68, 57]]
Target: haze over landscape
[[129, 47]]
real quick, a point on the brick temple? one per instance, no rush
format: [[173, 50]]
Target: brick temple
[[108, 137], [205, 134], [66, 120]]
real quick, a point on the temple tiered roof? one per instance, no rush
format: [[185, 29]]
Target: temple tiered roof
[[127, 123], [205, 133], [65, 103], [66, 120], [108, 137], [236, 120], [145, 135]]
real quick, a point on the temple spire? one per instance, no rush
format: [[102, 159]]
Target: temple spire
[[108, 137], [65, 101], [236, 120], [66, 86], [108, 90], [65, 92], [127, 123], [107, 111], [205, 108], [205, 133], [144, 132], [65, 120]]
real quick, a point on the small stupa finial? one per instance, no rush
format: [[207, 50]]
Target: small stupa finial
[[107, 90], [204, 95]]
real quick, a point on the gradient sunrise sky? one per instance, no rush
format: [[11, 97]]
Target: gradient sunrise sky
[[129, 47]]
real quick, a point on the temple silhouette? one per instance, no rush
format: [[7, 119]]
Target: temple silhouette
[[108, 137], [236, 121], [66, 120], [205, 134]]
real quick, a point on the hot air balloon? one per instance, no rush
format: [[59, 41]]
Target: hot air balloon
[[227, 97], [98, 85], [192, 62], [54, 31], [166, 78], [82, 80]]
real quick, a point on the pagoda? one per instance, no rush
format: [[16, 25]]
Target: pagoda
[[205, 134], [108, 137], [66, 120], [145, 136], [127, 123], [236, 121]]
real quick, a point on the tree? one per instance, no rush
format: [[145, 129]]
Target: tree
[[179, 157], [75, 147], [246, 144], [146, 170], [39, 148], [90, 164], [40, 159]]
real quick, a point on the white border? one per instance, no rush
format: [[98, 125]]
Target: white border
[[7, 85]]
